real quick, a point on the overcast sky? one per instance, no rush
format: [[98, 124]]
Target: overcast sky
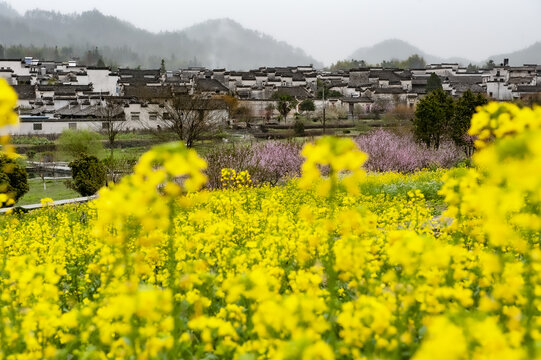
[[331, 30]]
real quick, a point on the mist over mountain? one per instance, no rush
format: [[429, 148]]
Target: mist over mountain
[[529, 55], [214, 43], [400, 50], [7, 11], [227, 39]]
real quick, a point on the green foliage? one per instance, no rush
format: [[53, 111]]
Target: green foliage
[[243, 114], [472, 67], [284, 103], [92, 57], [307, 105], [89, 175], [413, 62], [30, 154], [13, 178], [298, 127], [433, 83], [43, 52], [31, 140], [329, 94], [269, 110], [78, 143], [464, 110], [489, 65], [348, 64], [323, 91], [427, 181], [162, 67], [432, 118]]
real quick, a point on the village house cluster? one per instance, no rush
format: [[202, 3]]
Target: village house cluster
[[56, 96]]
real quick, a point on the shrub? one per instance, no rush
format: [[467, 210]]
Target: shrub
[[276, 160], [89, 175], [391, 152], [78, 143], [267, 162], [118, 167], [307, 105], [13, 178], [298, 127], [30, 154], [402, 113]]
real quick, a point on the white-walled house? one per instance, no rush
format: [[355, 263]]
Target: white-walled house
[[7, 74], [42, 125], [103, 80], [499, 90], [16, 65]]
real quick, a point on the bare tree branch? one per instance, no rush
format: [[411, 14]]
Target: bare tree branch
[[113, 120], [189, 117]]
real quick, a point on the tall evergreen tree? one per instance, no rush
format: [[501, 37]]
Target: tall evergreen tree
[[433, 83], [162, 67], [461, 122], [432, 118]]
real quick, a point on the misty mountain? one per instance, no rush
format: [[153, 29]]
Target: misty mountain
[[529, 55], [227, 39], [214, 43], [400, 50]]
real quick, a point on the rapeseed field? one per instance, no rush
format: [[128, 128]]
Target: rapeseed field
[[321, 268]]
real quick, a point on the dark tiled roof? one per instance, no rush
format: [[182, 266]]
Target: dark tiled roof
[[148, 92], [248, 76], [210, 85], [529, 89], [390, 91], [65, 89], [40, 110], [139, 81], [25, 92], [201, 104], [298, 77], [294, 91], [475, 88], [469, 79], [180, 89], [419, 81], [362, 99], [139, 73], [77, 111], [520, 80]]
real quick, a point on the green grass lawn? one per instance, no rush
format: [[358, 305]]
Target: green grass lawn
[[55, 190]]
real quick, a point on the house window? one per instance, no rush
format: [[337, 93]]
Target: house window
[[72, 126], [166, 116], [105, 125], [135, 116], [153, 116], [38, 127]]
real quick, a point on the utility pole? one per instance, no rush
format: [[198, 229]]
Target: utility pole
[[324, 120]]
